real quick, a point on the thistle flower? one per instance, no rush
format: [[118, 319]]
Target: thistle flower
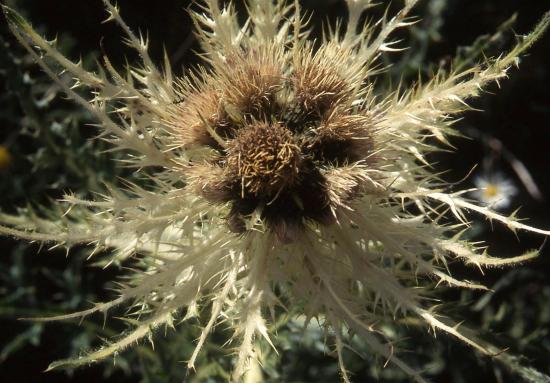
[[280, 172]]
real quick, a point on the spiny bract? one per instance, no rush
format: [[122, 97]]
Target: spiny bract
[[279, 170]]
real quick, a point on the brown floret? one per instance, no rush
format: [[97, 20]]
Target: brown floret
[[264, 158], [250, 81], [317, 83], [199, 112], [341, 138]]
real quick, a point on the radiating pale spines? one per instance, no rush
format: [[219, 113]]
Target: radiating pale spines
[[274, 165]]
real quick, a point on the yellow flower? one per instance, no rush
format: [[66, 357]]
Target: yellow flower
[[5, 158], [281, 173]]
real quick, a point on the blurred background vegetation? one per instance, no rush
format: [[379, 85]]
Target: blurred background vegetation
[[45, 150]]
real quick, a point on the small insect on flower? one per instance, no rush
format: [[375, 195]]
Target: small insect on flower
[[281, 171], [494, 190]]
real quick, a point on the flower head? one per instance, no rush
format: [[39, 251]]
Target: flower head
[[279, 126], [279, 169], [494, 190], [5, 158]]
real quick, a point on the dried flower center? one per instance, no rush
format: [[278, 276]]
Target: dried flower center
[[287, 138], [265, 158]]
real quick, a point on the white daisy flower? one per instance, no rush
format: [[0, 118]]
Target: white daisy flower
[[494, 190]]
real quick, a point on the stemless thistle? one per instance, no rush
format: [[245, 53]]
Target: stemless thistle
[[284, 138], [280, 170]]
